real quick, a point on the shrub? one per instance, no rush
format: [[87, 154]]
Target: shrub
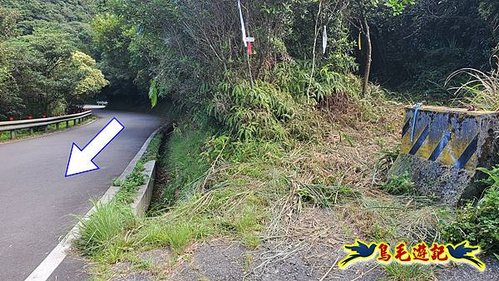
[[252, 112], [478, 224]]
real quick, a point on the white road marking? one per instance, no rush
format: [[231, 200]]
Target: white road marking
[[59, 253]]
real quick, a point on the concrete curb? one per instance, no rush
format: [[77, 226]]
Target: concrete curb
[[144, 193], [137, 157], [140, 205]]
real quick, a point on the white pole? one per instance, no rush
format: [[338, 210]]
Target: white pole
[[243, 28], [324, 40]]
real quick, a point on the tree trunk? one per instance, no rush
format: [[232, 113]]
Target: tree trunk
[[367, 70]]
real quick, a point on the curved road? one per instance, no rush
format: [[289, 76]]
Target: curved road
[[38, 204]]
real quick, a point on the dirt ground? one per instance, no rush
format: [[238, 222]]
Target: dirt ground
[[309, 250]]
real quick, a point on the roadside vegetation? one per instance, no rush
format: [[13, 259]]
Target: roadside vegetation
[[102, 234], [263, 141], [26, 133], [46, 64], [281, 149]]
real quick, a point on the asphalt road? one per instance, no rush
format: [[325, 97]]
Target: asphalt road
[[38, 204]]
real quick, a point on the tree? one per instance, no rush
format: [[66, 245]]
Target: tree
[[489, 9], [90, 80], [8, 21], [363, 12], [47, 73], [416, 51]]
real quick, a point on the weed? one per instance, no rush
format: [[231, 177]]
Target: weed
[[399, 184], [384, 164], [492, 176], [153, 148], [316, 194], [184, 163], [103, 231], [105, 235], [415, 272], [481, 90], [384, 218], [129, 185], [477, 224], [251, 240], [116, 182], [177, 236]]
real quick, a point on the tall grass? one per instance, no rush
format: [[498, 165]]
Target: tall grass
[[105, 228], [183, 162], [481, 90], [272, 154]]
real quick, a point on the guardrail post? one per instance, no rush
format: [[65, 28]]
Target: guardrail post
[[29, 125]]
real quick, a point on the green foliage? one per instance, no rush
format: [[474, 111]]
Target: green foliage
[[417, 50], [493, 176], [398, 6], [402, 272], [489, 9], [134, 179], [91, 79], [294, 78], [323, 196], [478, 223], [104, 234], [384, 164], [44, 68], [481, 90], [47, 74], [278, 109], [184, 162], [104, 228], [253, 112], [399, 184], [153, 93], [8, 20], [153, 150], [69, 17], [196, 73], [176, 236], [112, 38]]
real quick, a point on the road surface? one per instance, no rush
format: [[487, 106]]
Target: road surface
[[38, 204]]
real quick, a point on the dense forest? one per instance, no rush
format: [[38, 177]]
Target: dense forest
[[182, 54], [46, 67]]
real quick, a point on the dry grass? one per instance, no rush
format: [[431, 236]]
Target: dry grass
[[346, 163], [301, 197], [480, 89]]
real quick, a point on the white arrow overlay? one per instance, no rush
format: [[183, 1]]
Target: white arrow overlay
[[81, 160]]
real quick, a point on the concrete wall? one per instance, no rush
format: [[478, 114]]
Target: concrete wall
[[144, 193], [442, 147]]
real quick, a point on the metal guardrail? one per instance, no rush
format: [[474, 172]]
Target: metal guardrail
[[13, 126]]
